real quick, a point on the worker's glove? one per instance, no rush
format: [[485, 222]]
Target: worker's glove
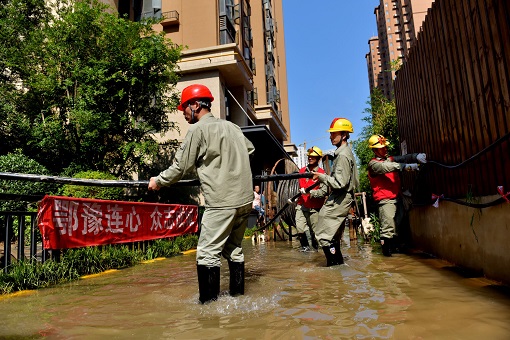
[[411, 167], [302, 191], [422, 158]]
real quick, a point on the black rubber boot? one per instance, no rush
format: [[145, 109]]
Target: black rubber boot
[[236, 278], [303, 240], [333, 254], [208, 283], [386, 246]]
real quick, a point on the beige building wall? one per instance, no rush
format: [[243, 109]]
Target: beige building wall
[[281, 69], [453, 231], [235, 47]]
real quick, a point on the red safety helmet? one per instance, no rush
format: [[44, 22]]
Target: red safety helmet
[[195, 91]]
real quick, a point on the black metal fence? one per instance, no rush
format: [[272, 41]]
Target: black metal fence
[[21, 231]]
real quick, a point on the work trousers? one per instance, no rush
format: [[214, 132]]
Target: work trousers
[[306, 218], [391, 213], [222, 231], [331, 216]]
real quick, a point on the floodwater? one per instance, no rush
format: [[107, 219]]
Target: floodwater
[[289, 295]]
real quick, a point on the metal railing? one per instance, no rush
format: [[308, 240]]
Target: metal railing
[[21, 231], [21, 228]]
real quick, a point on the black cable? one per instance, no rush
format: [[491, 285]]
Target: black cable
[[493, 145], [461, 202], [126, 183], [467, 204]]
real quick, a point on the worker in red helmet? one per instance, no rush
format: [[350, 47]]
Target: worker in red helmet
[[341, 182], [219, 152]]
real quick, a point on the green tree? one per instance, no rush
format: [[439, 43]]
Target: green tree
[[20, 22], [381, 118], [83, 87]]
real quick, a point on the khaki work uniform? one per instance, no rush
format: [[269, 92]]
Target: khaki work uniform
[[306, 218], [307, 208], [219, 152], [342, 182]]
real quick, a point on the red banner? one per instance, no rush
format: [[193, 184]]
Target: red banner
[[68, 222]]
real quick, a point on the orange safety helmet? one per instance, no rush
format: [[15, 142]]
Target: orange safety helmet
[[195, 91], [340, 124]]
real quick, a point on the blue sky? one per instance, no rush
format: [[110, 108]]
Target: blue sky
[[326, 42]]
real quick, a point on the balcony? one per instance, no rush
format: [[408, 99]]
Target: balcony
[[227, 59], [170, 18], [253, 97]]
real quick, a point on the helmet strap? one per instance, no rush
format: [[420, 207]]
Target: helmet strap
[[193, 116], [201, 104]]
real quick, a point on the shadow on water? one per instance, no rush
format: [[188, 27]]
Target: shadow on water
[[289, 295]]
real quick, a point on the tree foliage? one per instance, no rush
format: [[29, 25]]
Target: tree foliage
[[83, 88], [381, 118]]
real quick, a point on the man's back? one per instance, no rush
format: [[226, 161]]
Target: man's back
[[223, 163]]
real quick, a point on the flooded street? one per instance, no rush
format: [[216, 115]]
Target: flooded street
[[289, 295]]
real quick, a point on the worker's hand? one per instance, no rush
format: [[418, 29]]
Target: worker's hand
[[422, 158], [152, 184], [302, 191], [411, 167]]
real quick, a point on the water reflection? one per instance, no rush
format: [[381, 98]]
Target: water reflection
[[289, 295]]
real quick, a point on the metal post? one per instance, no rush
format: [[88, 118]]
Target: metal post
[[33, 239], [7, 244]]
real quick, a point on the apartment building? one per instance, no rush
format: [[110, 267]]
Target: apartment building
[[237, 49], [398, 23]]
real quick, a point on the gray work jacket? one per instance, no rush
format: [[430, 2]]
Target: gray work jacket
[[390, 164], [219, 152], [344, 173]]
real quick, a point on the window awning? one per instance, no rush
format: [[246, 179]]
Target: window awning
[[268, 150]]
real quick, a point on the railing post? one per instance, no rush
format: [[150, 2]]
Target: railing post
[[33, 238], [7, 244], [21, 237]]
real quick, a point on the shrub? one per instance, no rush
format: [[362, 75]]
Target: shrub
[[19, 163], [85, 191]]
